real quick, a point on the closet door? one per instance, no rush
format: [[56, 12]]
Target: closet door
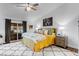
[[7, 30], [24, 26]]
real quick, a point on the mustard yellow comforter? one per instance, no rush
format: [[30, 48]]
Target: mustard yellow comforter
[[40, 44]]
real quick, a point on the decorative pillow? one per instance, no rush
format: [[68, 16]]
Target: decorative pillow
[[45, 32]]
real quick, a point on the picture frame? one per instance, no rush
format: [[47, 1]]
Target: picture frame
[[48, 21], [30, 26]]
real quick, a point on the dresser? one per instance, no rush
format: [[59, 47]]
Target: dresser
[[61, 41]]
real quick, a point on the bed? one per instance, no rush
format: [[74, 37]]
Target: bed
[[37, 41]]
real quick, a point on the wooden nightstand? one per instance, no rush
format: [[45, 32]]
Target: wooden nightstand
[[61, 41]]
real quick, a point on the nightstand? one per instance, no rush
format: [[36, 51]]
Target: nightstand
[[61, 41]]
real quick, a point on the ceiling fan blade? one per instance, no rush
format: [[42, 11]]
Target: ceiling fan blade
[[35, 4], [33, 8], [30, 9], [20, 6]]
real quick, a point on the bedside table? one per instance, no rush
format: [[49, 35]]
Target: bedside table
[[61, 41]]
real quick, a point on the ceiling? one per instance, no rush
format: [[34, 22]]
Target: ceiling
[[10, 10]]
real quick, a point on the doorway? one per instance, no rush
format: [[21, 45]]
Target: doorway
[[14, 30]]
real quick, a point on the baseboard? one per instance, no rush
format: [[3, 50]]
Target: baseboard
[[72, 49]]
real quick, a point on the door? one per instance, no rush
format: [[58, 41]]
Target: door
[[7, 30]]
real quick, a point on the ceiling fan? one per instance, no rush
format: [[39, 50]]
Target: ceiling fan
[[29, 6]]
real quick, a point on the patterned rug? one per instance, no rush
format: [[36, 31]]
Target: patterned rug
[[18, 49]]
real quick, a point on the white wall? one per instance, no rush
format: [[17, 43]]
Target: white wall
[[2, 29], [71, 30], [64, 16]]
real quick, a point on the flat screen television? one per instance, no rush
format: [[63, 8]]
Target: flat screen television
[[48, 21]]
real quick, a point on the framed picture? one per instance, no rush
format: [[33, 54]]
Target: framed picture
[[48, 21]]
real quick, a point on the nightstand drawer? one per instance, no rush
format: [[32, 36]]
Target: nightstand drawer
[[61, 41], [57, 41]]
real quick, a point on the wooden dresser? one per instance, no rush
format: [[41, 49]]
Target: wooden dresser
[[61, 41]]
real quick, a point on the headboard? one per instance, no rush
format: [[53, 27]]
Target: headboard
[[50, 30]]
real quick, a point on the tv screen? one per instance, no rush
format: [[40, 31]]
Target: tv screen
[[48, 21]]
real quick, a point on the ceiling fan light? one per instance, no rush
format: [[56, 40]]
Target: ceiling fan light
[[28, 9]]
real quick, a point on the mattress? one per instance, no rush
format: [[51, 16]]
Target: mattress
[[33, 36]]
